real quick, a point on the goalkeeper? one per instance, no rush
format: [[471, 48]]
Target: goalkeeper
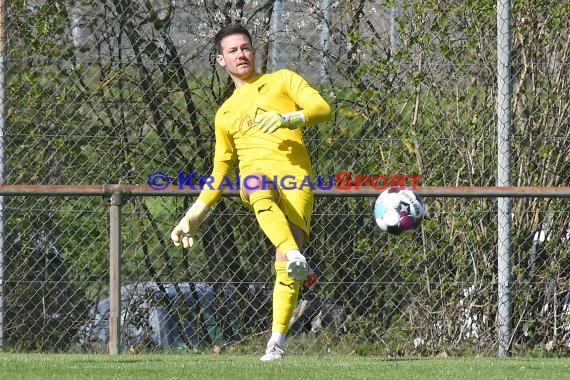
[[259, 126]]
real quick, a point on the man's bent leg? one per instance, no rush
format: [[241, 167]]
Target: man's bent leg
[[272, 220]]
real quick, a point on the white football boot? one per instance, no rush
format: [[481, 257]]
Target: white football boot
[[297, 267], [273, 352]]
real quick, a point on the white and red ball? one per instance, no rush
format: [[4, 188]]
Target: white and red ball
[[398, 210]]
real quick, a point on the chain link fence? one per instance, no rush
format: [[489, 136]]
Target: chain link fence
[[109, 92]]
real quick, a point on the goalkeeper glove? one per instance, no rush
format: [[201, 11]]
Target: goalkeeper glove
[[183, 234], [270, 121]]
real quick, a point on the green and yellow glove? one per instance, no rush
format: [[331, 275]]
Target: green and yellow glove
[[270, 121]]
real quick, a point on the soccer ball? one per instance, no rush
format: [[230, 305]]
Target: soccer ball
[[398, 210]]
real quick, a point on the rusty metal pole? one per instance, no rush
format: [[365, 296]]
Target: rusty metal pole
[[2, 149], [115, 273]]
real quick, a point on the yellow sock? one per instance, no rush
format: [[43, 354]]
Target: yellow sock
[[285, 294], [272, 220]]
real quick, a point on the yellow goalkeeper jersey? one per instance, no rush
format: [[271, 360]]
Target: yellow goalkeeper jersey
[[281, 153]]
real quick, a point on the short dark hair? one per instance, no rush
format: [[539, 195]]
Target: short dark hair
[[227, 31]]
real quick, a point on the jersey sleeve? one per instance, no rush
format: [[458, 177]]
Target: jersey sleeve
[[315, 109], [224, 158]]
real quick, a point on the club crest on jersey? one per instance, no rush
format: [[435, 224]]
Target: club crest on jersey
[[245, 124]]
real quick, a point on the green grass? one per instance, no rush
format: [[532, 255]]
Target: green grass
[[238, 367]]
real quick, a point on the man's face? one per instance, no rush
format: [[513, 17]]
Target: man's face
[[237, 56]]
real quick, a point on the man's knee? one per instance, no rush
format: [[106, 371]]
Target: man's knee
[[256, 182]]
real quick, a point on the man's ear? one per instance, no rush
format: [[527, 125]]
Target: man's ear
[[220, 60]]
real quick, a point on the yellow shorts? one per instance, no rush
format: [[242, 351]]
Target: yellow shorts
[[296, 203]]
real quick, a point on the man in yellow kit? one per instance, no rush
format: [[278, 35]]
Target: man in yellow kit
[[259, 127]]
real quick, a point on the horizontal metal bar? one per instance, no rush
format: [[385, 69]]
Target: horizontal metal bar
[[364, 191]]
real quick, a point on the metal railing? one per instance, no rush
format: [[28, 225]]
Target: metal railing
[[117, 195]]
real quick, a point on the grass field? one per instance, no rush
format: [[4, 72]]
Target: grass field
[[242, 367]]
